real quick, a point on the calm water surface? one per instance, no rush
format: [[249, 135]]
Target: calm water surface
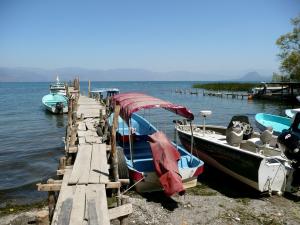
[[31, 138]]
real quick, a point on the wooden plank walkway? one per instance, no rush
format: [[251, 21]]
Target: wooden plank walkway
[[82, 198]]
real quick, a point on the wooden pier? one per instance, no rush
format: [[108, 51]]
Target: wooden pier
[[80, 196], [237, 95]]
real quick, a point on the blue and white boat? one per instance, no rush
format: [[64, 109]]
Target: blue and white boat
[[144, 147], [58, 88], [278, 123], [55, 103]]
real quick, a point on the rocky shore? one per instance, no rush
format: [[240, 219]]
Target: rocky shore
[[218, 199]]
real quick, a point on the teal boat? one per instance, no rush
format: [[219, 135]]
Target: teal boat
[[278, 123], [55, 103]]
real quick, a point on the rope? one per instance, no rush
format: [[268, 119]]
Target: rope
[[132, 186]]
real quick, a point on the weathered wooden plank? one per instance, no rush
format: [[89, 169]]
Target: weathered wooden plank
[[96, 193], [81, 140], [81, 133], [73, 149], [90, 126], [49, 187], [113, 184], [89, 120], [99, 167], [87, 133], [81, 126], [92, 106], [92, 212], [65, 192], [119, 211], [88, 113], [65, 212], [81, 167], [90, 139], [78, 208]]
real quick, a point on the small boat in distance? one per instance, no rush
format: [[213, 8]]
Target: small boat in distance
[[153, 161], [58, 88], [55, 103], [278, 123], [248, 156], [283, 91]]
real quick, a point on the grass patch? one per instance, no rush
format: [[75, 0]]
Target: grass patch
[[202, 190], [226, 86], [112, 201], [12, 209]]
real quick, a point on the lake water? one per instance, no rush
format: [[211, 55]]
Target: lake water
[[31, 138]]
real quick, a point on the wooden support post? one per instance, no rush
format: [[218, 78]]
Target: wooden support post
[[89, 89], [69, 160], [114, 156], [113, 143], [62, 163], [73, 136], [74, 117], [70, 109], [51, 200], [42, 217], [124, 219]]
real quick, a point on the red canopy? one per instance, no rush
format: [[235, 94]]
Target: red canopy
[[133, 102]]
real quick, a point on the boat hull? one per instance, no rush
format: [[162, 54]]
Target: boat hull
[[278, 123], [190, 167], [150, 181], [259, 172], [50, 102]]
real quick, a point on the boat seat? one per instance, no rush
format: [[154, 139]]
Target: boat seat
[[234, 136], [257, 144], [266, 136]]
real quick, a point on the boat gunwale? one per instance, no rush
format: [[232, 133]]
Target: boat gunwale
[[230, 146]]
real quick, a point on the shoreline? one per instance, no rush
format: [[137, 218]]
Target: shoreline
[[207, 203], [200, 205]]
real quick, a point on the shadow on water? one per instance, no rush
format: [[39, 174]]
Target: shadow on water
[[159, 197], [227, 185], [59, 119]]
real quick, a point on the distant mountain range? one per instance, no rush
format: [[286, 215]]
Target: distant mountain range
[[254, 76], [24, 74]]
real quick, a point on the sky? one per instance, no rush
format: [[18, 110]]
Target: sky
[[215, 36]]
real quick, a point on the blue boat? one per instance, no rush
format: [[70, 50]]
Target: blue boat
[[141, 143], [55, 103], [278, 123]]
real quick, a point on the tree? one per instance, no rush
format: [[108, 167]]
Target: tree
[[289, 45]]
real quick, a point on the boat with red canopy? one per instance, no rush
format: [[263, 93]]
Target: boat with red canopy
[[153, 161]]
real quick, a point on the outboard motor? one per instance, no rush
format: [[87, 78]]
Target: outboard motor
[[59, 107], [290, 143]]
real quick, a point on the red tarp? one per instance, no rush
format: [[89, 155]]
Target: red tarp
[[165, 158], [133, 102]]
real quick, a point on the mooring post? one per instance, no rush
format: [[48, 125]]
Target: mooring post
[[89, 89], [62, 162], [114, 156], [51, 200]]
